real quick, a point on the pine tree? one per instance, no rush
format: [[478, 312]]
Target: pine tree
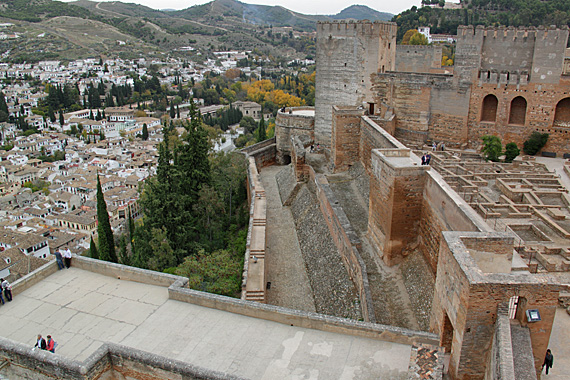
[[106, 240], [93, 250]]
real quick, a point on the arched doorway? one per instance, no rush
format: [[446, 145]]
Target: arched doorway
[[489, 109], [518, 111], [562, 114]]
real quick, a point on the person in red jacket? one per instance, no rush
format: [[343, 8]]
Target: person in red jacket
[[50, 344]]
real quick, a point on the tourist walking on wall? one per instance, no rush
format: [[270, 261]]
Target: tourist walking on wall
[[424, 159], [41, 343], [1, 298], [428, 158], [67, 257], [51, 344], [434, 146], [7, 289], [548, 360], [59, 259]]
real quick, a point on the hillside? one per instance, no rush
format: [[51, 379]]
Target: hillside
[[485, 12], [88, 28]]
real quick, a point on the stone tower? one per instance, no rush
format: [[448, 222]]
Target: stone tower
[[348, 53]]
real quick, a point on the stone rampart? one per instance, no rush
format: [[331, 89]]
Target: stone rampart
[[466, 300], [418, 58], [253, 276], [345, 140], [264, 152]]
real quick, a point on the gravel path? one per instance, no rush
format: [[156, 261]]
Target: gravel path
[[290, 286]]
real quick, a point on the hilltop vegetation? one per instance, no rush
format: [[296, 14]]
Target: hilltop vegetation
[[485, 12]]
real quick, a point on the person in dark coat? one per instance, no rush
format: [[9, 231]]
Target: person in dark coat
[[548, 360], [41, 343]]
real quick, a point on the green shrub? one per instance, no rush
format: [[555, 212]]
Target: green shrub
[[535, 143], [492, 147], [511, 151]]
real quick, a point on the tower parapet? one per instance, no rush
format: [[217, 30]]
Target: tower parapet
[[348, 52]]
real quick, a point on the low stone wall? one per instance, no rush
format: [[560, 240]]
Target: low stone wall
[[302, 318], [501, 365], [264, 153], [373, 136], [33, 278], [253, 276], [124, 272], [291, 123], [103, 364]]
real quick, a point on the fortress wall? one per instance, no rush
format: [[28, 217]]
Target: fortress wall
[[550, 46], [264, 152], [418, 58], [443, 210], [427, 106], [347, 54], [109, 362], [508, 50], [373, 136], [540, 113]]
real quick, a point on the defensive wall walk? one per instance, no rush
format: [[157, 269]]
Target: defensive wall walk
[[148, 317]]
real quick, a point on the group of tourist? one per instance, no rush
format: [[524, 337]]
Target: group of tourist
[[48, 345], [63, 258], [426, 158], [5, 288]]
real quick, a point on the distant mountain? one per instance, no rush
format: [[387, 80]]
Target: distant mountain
[[362, 12], [131, 29]]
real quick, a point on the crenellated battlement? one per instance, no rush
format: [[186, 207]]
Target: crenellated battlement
[[350, 28]]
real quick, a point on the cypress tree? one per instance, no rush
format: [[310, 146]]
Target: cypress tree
[[145, 132], [61, 119], [261, 135], [106, 240], [93, 249]]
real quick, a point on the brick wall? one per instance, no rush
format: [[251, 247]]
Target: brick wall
[[471, 300], [443, 210], [540, 112], [345, 140], [396, 192]]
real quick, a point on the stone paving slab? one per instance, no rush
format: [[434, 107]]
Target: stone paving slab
[[81, 310]]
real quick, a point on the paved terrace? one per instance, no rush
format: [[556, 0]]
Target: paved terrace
[[82, 310]]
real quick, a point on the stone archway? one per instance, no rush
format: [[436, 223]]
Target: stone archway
[[517, 115], [489, 108], [562, 114]]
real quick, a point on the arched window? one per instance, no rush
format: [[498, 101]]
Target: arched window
[[489, 111], [562, 114], [518, 111]]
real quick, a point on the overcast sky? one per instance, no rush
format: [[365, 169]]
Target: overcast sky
[[326, 7]]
